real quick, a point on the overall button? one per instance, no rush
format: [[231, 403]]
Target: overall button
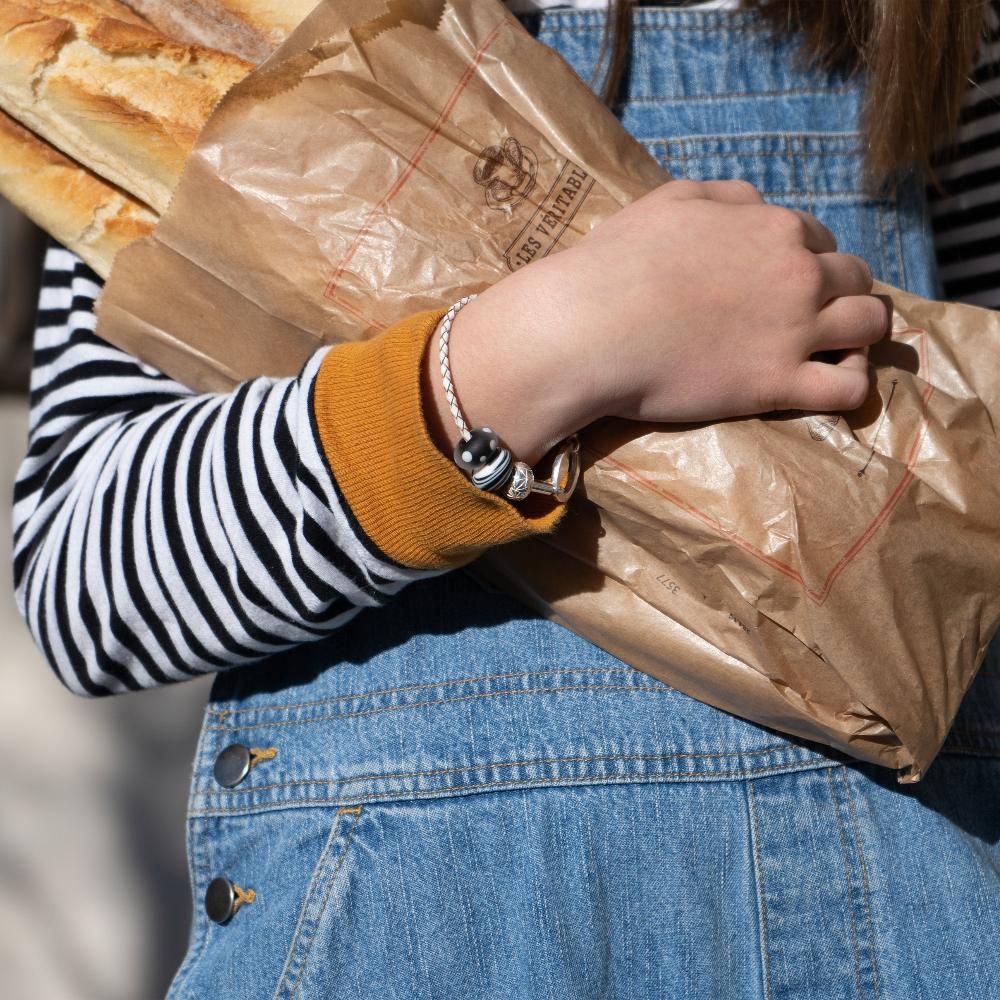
[[220, 900], [223, 898], [232, 765]]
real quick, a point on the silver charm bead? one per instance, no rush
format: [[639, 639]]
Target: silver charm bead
[[521, 482]]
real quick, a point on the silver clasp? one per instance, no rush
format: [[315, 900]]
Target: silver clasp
[[565, 473]]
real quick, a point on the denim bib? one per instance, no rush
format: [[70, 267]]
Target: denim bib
[[453, 798]]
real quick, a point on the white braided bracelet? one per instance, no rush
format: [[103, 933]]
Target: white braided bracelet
[[444, 336], [481, 454]]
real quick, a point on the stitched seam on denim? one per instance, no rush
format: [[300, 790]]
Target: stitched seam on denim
[[677, 28], [438, 772], [887, 270], [849, 883], [656, 14], [863, 864], [331, 883], [754, 154], [900, 254], [223, 712], [738, 139], [442, 701], [407, 794], [848, 196], [790, 138], [295, 957], [763, 945], [817, 91], [799, 166]]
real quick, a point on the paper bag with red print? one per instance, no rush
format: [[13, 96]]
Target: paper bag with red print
[[831, 577]]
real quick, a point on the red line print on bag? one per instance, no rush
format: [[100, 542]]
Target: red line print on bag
[[432, 133], [818, 597]]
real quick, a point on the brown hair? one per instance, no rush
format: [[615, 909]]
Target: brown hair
[[916, 56]]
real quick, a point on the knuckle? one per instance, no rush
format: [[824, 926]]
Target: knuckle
[[867, 278], [876, 320], [682, 188], [806, 273], [863, 320], [768, 400], [744, 189], [861, 271], [852, 393], [771, 390], [786, 221]]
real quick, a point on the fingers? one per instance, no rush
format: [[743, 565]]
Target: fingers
[[822, 387], [855, 359], [852, 321], [732, 192], [844, 274], [804, 228], [789, 226]]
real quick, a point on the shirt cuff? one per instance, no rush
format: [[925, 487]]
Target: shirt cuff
[[409, 499]]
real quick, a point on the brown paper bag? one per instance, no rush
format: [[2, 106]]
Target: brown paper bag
[[829, 576]]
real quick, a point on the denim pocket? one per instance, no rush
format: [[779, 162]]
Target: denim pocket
[[323, 896], [290, 865]]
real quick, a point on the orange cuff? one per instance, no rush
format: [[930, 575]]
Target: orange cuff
[[411, 501]]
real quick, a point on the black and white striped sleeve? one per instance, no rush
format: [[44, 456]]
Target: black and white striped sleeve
[[965, 205], [161, 534]]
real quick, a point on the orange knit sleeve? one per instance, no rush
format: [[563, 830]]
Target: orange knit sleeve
[[410, 500]]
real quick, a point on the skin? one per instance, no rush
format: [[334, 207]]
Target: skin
[[696, 302]]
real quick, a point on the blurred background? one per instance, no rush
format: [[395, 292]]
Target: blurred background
[[94, 899]]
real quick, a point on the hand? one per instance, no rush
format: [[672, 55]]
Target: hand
[[696, 302]]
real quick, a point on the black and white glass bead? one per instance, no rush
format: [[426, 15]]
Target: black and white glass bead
[[496, 474], [479, 449]]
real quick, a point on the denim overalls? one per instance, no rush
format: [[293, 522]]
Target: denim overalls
[[451, 798]]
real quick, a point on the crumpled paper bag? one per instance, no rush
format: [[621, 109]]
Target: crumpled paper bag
[[831, 576]]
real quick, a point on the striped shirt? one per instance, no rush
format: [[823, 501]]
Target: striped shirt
[[161, 534], [966, 212]]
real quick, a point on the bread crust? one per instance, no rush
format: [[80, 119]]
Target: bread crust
[[99, 81], [110, 92], [82, 211], [250, 29]]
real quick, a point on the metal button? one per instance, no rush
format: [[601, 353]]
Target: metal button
[[220, 900], [232, 765]]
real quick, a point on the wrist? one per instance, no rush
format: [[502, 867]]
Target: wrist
[[507, 377], [413, 505]]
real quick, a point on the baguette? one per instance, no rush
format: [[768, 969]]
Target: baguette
[[111, 8], [250, 29], [110, 92], [83, 212]]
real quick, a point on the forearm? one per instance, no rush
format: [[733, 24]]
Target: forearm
[[509, 372], [194, 533], [161, 534]]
